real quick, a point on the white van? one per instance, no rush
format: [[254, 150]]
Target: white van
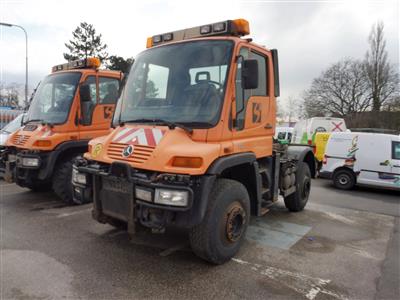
[[305, 130], [283, 133], [362, 158]]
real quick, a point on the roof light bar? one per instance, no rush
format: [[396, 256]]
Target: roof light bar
[[90, 62], [238, 27]]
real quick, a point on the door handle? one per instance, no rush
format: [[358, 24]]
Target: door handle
[[268, 126]]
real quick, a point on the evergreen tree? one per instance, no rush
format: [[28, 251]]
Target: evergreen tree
[[119, 63], [86, 43]]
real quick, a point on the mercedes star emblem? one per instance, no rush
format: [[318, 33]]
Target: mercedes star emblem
[[128, 150]]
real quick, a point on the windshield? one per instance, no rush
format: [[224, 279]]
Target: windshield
[[14, 125], [182, 83], [53, 98]]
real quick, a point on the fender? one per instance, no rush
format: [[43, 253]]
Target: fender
[[225, 162], [253, 184], [47, 171], [303, 153]]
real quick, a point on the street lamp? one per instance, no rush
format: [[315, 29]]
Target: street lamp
[[26, 58]]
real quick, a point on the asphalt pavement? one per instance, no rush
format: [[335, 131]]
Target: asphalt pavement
[[344, 245]]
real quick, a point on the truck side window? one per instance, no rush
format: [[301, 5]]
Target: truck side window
[[261, 90], [108, 90], [396, 150], [87, 107], [262, 75]]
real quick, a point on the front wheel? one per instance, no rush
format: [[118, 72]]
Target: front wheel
[[221, 233], [62, 181], [297, 201]]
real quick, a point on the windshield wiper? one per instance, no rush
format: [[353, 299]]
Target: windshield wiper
[[171, 125], [43, 122]]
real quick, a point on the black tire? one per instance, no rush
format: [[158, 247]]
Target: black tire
[[221, 233], [297, 201], [344, 179], [62, 180]]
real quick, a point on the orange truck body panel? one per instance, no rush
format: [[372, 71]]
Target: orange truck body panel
[[209, 144]]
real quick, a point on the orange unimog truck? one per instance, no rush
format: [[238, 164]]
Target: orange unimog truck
[[193, 142], [71, 106]]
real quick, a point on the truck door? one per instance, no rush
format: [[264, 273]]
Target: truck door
[[255, 118], [97, 110]]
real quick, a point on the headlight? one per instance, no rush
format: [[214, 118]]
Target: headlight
[[78, 177], [143, 194], [171, 197], [30, 162]]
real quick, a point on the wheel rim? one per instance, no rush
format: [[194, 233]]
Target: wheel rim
[[306, 188], [235, 221], [343, 180]]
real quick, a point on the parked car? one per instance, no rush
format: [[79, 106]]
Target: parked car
[[5, 132], [11, 127], [305, 130], [362, 158]]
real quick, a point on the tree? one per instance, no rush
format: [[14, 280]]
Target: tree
[[86, 43], [119, 63], [340, 90], [382, 78], [151, 90], [9, 95]]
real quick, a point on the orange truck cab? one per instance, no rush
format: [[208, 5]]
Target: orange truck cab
[[193, 143], [71, 106]]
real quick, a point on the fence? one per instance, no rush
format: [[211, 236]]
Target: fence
[[7, 115]]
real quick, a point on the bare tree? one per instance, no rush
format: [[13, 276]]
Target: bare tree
[[340, 90], [382, 78]]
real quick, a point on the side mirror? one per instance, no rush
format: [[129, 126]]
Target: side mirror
[[84, 93], [250, 74]]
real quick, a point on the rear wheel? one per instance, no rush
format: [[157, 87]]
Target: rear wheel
[[221, 233], [62, 180], [344, 179], [297, 201]]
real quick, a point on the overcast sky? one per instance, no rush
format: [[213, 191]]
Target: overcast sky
[[309, 35]]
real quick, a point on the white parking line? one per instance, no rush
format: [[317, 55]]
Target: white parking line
[[308, 286]]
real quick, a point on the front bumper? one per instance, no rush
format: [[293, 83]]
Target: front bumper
[[112, 189], [16, 169]]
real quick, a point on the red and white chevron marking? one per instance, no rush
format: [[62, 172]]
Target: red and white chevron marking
[[139, 136], [46, 131]]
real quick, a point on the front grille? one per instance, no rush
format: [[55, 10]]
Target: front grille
[[20, 140], [140, 153]]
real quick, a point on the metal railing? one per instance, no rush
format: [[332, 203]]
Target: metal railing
[[7, 115]]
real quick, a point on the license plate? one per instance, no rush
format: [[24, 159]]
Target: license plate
[[119, 186]]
